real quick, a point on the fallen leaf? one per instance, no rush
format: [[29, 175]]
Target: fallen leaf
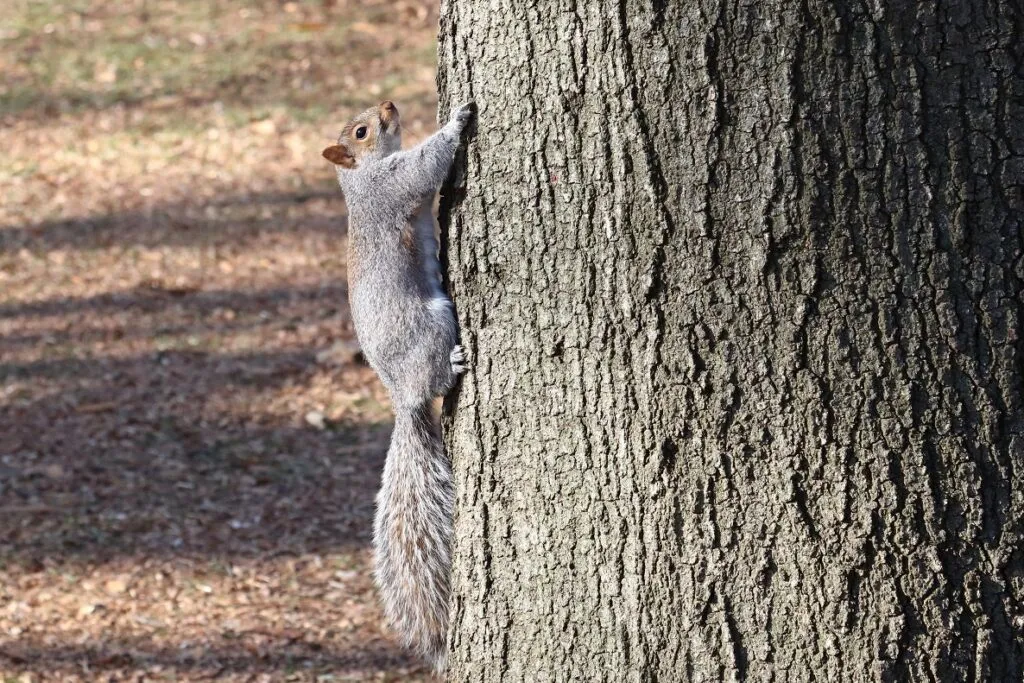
[[96, 407], [316, 419], [264, 127], [105, 73]]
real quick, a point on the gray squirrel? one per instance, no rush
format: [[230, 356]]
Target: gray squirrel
[[408, 333]]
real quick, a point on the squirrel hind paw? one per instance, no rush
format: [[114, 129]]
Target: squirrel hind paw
[[459, 359]]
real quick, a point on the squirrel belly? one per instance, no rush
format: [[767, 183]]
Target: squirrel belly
[[407, 329], [406, 336]]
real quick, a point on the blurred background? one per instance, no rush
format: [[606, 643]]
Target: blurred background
[[189, 445]]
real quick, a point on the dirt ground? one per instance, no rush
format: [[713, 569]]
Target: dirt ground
[[188, 449]]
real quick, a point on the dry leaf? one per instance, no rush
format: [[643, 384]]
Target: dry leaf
[[264, 127], [105, 73]]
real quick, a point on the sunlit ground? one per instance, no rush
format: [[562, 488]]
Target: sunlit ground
[[189, 450]]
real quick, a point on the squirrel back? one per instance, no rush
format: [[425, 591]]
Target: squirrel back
[[408, 333]]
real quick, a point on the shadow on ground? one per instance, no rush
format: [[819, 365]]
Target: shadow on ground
[[277, 653], [238, 221], [166, 453]]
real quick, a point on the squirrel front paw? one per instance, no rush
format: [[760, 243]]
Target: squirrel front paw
[[459, 360], [462, 114]]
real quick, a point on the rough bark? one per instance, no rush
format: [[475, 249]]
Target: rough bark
[[742, 284]]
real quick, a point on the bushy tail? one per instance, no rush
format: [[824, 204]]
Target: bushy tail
[[412, 533]]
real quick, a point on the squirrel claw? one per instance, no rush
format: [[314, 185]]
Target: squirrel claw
[[462, 113], [458, 359]]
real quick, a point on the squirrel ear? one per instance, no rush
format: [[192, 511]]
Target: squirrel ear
[[339, 156]]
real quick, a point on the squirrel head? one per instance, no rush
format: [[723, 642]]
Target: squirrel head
[[375, 133]]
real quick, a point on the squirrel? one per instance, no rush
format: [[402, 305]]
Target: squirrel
[[406, 326]]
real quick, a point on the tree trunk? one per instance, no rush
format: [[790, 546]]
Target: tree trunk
[[742, 285]]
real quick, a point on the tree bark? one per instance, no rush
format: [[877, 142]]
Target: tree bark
[[742, 285]]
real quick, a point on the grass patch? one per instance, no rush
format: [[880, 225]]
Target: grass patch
[[305, 58]]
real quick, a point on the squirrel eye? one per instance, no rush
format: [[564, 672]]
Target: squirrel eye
[[360, 132]]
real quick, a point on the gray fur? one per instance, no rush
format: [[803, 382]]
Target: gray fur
[[408, 333]]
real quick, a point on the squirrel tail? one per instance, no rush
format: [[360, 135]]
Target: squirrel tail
[[412, 533]]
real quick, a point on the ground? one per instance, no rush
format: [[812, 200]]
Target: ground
[[189, 448]]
